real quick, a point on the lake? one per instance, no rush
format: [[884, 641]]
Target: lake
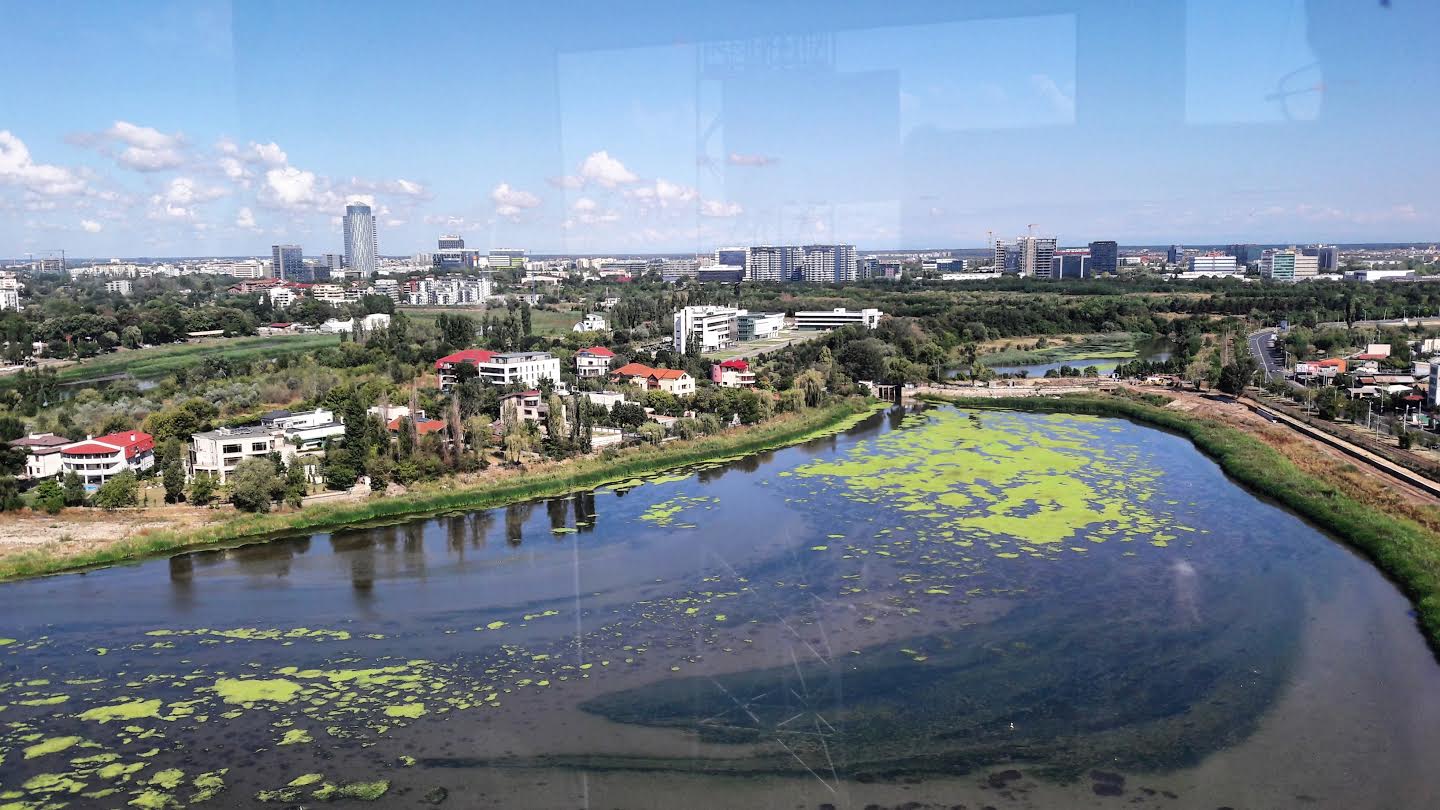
[[937, 608], [1154, 351]]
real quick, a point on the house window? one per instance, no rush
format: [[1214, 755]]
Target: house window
[[259, 447], [230, 448]]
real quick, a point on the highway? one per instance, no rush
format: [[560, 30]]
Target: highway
[[1373, 324]]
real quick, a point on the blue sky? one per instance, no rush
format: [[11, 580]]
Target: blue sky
[[212, 128]]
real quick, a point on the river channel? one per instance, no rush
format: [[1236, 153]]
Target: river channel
[[936, 608]]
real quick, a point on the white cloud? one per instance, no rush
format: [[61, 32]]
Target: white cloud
[[245, 219], [737, 159], [668, 192], [266, 154], [1062, 102], [291, 188], [600, 168], [186, 191], [17, 168], [91, 226], [510, 202], [146, 149], [720, 208], [584, 204], [568, 181]]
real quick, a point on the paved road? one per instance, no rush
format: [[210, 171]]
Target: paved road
[[1271, 361]]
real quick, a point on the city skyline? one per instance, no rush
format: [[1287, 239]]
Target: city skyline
[[629, 133]]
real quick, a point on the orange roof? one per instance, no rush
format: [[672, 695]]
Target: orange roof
[[633, 370], [598, 351], [667, 373], [465, 356], [133, 442], [422, 428]]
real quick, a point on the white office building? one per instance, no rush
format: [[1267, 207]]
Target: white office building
[[836, 318], [758, 325], [1212, 264], [710, 328]]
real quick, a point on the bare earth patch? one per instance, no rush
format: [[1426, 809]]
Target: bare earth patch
[[75, 531]]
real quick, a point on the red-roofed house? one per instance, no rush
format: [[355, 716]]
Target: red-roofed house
[[422, 427], [99, 459], [593, 362], [445, 366], [632, 373], [733, 374], [674, 380]]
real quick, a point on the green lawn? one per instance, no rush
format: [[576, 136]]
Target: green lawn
[[756, 348], [1114, 346], [542, 321], [158, 361]]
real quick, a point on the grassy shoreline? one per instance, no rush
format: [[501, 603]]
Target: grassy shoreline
[[1405, 551], [554, 481]]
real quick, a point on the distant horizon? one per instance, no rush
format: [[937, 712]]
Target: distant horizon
[[682, 254], [629, 129]]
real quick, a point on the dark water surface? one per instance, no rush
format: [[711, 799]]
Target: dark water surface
[[942, 608]]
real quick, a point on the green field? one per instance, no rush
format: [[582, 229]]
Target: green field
[[542, 321], [157, 361], [756, 348]]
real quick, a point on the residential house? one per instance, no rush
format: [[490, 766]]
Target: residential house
[[529, 405], [305, 430], [732, 374], [593, 362], [499, 368], [100, 458], [675, 381], [42, 455], [604, 399], [218, 452], [593, 322], [423, 426]]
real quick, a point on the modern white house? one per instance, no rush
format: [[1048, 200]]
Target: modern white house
[[218, 452], [593, 362], [100, 458], [499, 368], [305, 430], [594, 322], [836, 318]]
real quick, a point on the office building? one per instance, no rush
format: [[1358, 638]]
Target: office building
[[706, 329], [506, 259], [9, 292], [836, 318], [287, 262], [1244, 254], [1213, 264], [1175, 254], [731, 257], [361, 246], [123, 286], [1327, 257], [829, 264], [1027, 256], [333, 262], [1067, 264], [448, 291], [758, 325], [1288, 265], [451, 242], [1104, 258]]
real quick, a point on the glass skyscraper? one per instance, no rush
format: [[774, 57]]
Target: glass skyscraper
[[361, 247]]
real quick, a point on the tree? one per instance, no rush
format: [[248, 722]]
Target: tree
[[50, 496], [202, 489], [120, 491], [174, 477], [1236, 376], [253, 485], [627, 415], [339, 469], [812, 383], [74, 489], [651, 432]]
